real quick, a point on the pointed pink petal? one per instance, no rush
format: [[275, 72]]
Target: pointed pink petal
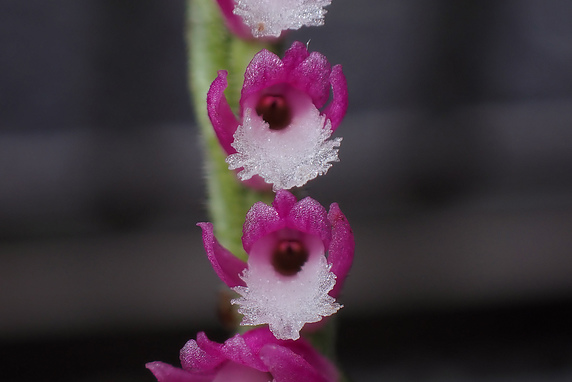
[[201, 355], [336, 110], [260, 220], [287, 366], [283, 202], [295, 55], [257, 338], [341, 250], [167, 373], [312, 76], [310, 217], [227, 266], [264, 70], [222, 118], [210, 347], [237, 350]]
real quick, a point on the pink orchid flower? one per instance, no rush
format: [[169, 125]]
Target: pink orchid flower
[[256, 356], [283, 131], [269, 18], [298, 258]]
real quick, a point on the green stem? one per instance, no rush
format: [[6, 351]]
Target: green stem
[[211, 48]]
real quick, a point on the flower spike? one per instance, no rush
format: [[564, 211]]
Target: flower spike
[[298, 257], [285, 124]]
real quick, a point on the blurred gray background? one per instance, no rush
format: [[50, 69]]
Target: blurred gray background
[[455, 173]]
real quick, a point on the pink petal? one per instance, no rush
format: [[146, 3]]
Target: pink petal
[[227, 266], [283, 202], [260, 220], [264, 70], [336, 110], [310, 217], [312, 76], [287, 366], [257, 338], [222, 118], [167, 373], [295, 55], [202, 355], [237, 350], [210, 347], [341, 250]]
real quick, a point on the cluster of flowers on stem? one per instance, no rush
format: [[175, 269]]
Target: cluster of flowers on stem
[[299, 253]]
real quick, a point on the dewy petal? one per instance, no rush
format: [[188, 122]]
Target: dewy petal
[[287, 305], [201, 355], [312, 76], [270, 18], [341, 249], [336, 110], [264, 70], [283, 203], [310, 217], [261, 219], [237, 350], [227, 266], [284, 158], [222, 118], [287, 366], [167, 373]]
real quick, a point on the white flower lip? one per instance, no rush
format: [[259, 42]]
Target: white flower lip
[[286, 158], [268, 18], [286, 303]]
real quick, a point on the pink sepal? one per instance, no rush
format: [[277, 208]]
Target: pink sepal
[[260, 220], [202, 354], [237, 350], [264, 70], [336, 110], [222, 118], [310, 217], [312, 76], [283, 202], [227, 266], [341, 249]]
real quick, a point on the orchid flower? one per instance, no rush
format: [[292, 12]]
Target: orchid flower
[[298, 258], [269, 18], [255, 356], [283, 133]]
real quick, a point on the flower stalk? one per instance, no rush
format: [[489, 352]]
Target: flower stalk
[[268, 114], [211, 47]]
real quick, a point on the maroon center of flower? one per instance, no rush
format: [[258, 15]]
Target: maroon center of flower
[[289, 256], [275, 111]]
